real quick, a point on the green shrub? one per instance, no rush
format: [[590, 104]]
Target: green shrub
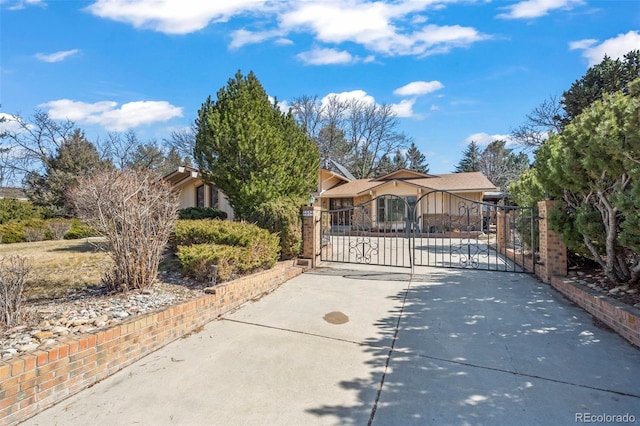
[[197, 213], [78, 230], [19, 231], [189, 232], [198, 259], [281, 217], [12, 209], [235, 247]]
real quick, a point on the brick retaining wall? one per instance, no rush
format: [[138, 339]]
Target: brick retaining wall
[[622, 318], [31, 383]]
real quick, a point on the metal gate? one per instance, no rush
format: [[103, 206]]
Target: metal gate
[[438, 229]]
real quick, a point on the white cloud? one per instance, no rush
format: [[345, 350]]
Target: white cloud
[[324, 56], [416, 88], [378, 26], [56, 56], [385, 26], [529, 9], [282, 105], [108, 115], [484, 139], [243, 37], [582, 44], [404, 109], [21, 4], [170, 16], [615, 47], [9, 123], [354, 95]]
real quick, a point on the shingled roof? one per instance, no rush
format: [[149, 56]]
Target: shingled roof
[[454, 182], [17, 193]]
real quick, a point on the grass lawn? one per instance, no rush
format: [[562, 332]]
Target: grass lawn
[[58, 266]]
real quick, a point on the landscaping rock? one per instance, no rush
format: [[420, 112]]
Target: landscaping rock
[[43, 335], [84, 312]]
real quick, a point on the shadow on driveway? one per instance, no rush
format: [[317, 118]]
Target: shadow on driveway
[[477, 347]]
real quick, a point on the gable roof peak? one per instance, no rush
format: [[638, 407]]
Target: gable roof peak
[[404, 174]]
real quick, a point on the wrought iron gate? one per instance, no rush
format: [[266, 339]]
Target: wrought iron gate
[[439, 229]]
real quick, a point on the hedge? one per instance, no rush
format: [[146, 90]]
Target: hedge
[[19, 231], [196, 213], [235, 247]]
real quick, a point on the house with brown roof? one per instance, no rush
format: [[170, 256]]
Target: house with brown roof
[[194, 192], [395, 194], [404, 193]]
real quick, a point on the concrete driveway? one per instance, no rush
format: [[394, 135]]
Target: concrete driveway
[[353, 345]]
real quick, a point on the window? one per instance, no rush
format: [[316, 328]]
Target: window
[[341, 217], [214, 196], [391, 209], [200, 196], [340, 203]]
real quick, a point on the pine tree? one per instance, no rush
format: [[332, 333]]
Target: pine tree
[[75, 158], [251, 150], [416, 160], [470, 161]]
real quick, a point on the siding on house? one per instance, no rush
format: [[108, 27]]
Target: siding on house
[[187, 180]]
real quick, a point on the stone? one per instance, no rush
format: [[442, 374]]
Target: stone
[[210, 290], [101, 319], [43, 335], [9, 352], [79, 322], [27, 348], [121, 314], [58, 329], [85, 329]]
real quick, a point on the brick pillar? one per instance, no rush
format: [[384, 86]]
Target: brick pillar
[[553, 251], [311, 234], [503, 231]]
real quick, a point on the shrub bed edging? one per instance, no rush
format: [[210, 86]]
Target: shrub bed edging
[[31, 383], [622, 318]]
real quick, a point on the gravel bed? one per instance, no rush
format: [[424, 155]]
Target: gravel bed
[[90, 309]]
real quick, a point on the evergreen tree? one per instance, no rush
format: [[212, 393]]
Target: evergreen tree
[[592, 167], [609, 76], [470, 161], [416, 160], [252, 151], [75, 158]]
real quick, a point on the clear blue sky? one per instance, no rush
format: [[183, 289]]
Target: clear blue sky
[[456, 71]]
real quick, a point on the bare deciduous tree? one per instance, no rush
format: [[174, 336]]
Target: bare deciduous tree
[[136, 211], [356, 133], [546, 118], [184, 142], [29, 145]]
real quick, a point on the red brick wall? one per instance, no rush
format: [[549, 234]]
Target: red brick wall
[[623, 319], [32, 383], [553, 251]]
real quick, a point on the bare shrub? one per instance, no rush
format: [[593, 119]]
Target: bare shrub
[[13, 274], [135, 210], [34, 234], [58, 228]]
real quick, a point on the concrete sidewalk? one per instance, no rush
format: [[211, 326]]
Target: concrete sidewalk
[[353, 344]]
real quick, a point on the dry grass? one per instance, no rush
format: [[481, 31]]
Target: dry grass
[[61, 265]]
